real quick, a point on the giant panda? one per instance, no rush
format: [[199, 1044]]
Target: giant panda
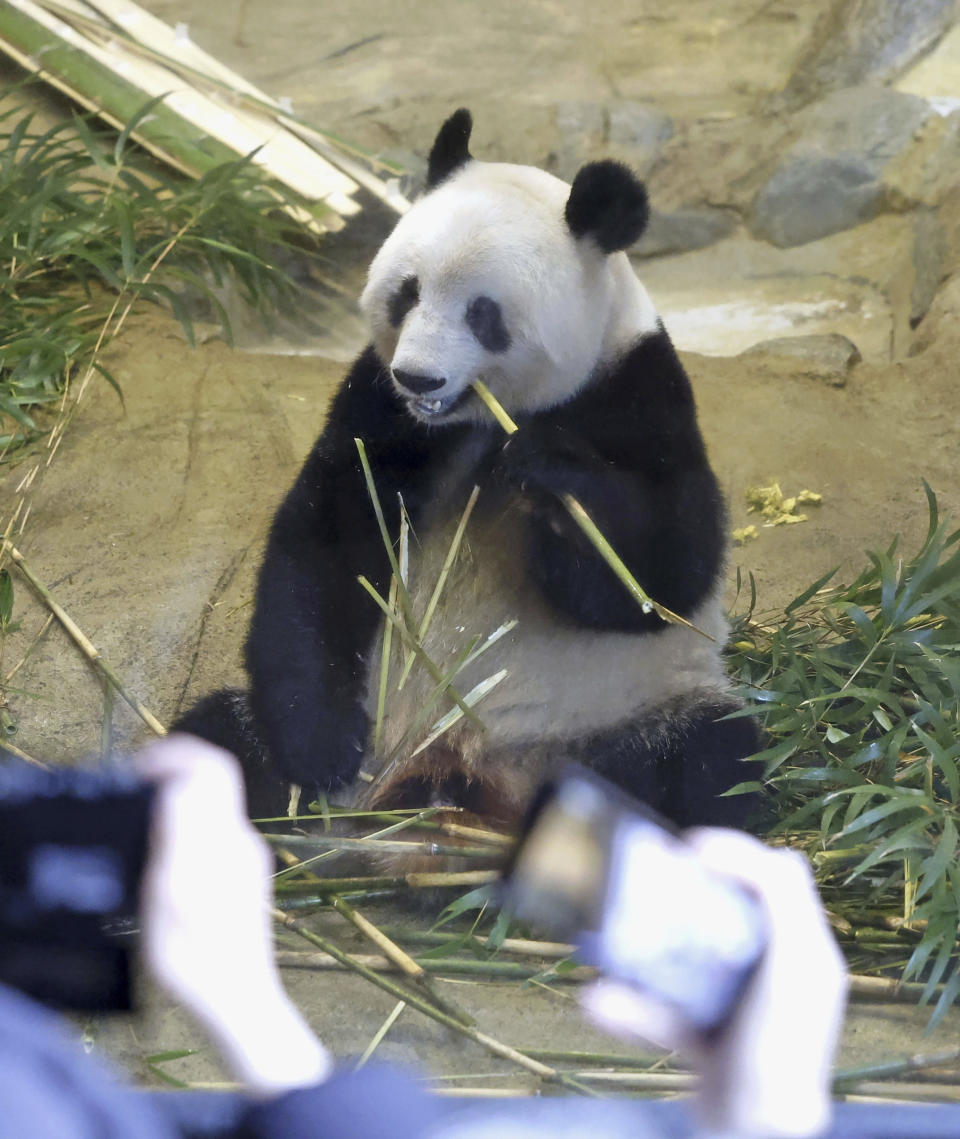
[[505, 274]]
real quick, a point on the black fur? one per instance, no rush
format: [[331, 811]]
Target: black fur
[[609, 204], [681, 766], [451, 148], [485, 321], [224, 718], [627, 447], [402, 301]]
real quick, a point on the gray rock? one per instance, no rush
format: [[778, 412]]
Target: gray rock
[[827, 358], [683, 230], [832, 178], [928, 263], [580, 128], [631, 131], [863, 40], [811, 196], [638, 125]]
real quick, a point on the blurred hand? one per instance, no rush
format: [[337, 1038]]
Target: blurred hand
[[207, 932], [768, 1072]]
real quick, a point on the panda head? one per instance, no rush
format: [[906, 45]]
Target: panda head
[[508, 275]]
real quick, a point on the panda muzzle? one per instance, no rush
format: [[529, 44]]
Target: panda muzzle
[[416, 383]]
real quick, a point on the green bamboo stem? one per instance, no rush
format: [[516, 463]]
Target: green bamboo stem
[[384, 680], [85, 645], [893, 1068], [378, 846], [411, 642], [438, 589], [553, 950], [425, 711], [416, 881], [400, 958], [444, 966], [543, 1071], [589, 527], [600, 1059], [304, 864]]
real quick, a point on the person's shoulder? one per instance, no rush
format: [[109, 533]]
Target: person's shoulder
[[374, 1103]]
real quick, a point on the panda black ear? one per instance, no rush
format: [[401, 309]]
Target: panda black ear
[[450, 148], [608, 203]]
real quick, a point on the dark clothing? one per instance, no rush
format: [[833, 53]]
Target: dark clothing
[[50, 1090]]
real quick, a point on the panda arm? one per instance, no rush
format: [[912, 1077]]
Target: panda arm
[[313, 625], [629, 450]]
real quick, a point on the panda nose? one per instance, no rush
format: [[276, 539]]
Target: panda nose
[[417, 383]]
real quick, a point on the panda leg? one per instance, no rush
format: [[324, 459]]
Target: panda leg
[[224, 718], [681, 763]]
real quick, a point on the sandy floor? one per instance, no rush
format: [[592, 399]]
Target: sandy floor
[[148, 525]]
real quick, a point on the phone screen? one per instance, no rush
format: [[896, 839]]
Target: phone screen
[[602, 871]]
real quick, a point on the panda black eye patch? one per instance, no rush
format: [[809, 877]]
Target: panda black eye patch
[[485, 321], [403, 301]]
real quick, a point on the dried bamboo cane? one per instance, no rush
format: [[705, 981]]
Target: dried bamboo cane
[[543, 1071], [86, 646], [440, 966], [403, 961]]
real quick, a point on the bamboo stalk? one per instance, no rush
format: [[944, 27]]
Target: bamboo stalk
[[543, 1071], [384, 679], [477, 834], [403, 961], [6, 745], [892, 1068], [327, 886], [601, 1059], [48, 621], [592, 531], [408, 639], [886, 989], [380, 1034], [444, 574], [477, 693], [907, 1093], [439, 966], [90, 72], [425, 711], [378, 846], [304, 864], [85, 645], [555, 950]]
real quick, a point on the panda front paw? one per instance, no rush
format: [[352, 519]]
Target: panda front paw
[[547, 460], [328, 754]]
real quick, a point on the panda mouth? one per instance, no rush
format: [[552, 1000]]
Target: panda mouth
[[431, 408]]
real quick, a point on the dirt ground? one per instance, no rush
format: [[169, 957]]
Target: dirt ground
[[149, 524]]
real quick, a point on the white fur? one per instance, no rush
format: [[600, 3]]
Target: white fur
[[565, 681], [498, 230]]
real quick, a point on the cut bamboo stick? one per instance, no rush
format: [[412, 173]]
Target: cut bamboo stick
[[400, 958], [86, 646], [543, 1071], [190, 127]]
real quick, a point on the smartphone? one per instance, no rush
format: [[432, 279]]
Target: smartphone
[[599, 869]]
